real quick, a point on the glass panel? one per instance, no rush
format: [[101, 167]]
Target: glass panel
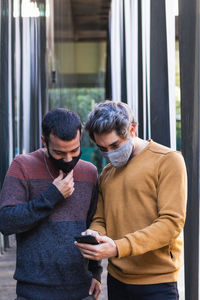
[[76, 61], [28, 72]]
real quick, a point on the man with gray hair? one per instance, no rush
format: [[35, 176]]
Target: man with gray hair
[[141, 208]]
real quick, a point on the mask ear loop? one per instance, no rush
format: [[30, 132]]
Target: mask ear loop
[[47, 167]]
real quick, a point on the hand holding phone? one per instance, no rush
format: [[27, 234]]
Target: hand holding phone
[[86, 239]]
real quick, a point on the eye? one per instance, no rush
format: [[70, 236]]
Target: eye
[[74, 151], [102, 149], [58, 152], [115, 146]]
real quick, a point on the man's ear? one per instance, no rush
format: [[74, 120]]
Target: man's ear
[[133, 129], [43, 141], [80, 135]]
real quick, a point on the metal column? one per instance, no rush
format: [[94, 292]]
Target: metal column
[[189, 32], [160, 127]]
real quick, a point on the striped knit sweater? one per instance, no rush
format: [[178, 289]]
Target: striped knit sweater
[[49, 266]]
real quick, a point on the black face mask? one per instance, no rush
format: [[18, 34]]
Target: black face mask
[[66, 167]]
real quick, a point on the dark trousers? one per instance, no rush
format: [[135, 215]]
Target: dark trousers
[[120, 291], [86, 298]]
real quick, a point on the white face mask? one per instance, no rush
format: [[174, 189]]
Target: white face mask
[[120, 156]]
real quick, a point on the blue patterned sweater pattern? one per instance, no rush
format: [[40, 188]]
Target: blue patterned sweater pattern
[[49, 266]]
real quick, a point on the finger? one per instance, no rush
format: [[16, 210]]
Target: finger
[[102, 239], [88, 252], [60, 176], [90, 255], [71, 182], [85, 232], [71, 192], [90, 232], [69, 185], [97, 291], [69, 176], [89, 247], [92, 287]]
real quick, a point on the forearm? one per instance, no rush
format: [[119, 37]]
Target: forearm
[[160, 234], [22, 217], [98, 226], [98, 222]]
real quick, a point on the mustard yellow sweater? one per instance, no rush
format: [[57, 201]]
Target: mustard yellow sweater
[[142, 208]]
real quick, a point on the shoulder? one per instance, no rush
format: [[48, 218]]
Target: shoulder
[[167, 158], [107, 168], [86, 164], [159, 149], [26, 163], [165, 153], [29, 157], [85, 171], [106, 172]]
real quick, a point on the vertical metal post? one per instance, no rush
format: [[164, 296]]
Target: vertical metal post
[[189, 31], [4, 129], [140, 77], [4, 103], [123, 60], [160, 128]]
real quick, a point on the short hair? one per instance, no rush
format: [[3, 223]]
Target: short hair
[[62, 123], [108, 116]]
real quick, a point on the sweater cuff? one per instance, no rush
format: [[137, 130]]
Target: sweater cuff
[[97, 275], [96, 269], [123, 247], [53, 195]]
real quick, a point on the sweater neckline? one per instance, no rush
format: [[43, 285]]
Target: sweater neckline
[[150, 141], [50, 168]]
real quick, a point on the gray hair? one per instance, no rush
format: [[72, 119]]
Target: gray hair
[[108, 116]]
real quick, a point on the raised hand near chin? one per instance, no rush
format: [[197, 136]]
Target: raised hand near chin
[[65, 185]]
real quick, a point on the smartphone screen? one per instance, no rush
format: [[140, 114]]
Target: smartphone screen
[[86, 239]]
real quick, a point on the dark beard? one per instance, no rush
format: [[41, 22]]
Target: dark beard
[[60, 164]]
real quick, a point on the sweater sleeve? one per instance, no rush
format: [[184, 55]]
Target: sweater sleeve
[[98, 223], [17, 212], [171, 206], [94, 266]]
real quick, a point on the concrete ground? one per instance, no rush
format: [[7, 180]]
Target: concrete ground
[[7, 266], [7, 283]]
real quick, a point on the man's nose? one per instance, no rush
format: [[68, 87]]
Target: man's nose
[[68, 157]]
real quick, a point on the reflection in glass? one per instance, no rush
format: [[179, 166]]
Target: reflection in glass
[[77, 60]]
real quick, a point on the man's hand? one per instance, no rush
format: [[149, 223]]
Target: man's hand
[[90, 232], [107, 248], [95, 288], [65, 185]]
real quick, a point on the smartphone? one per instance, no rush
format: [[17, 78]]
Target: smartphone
[[86, 239]]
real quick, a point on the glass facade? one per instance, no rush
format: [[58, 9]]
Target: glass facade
[[77, 62], [53, 54]]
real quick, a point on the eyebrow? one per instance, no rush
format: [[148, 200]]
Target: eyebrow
[[114, 143], [75, 149]]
